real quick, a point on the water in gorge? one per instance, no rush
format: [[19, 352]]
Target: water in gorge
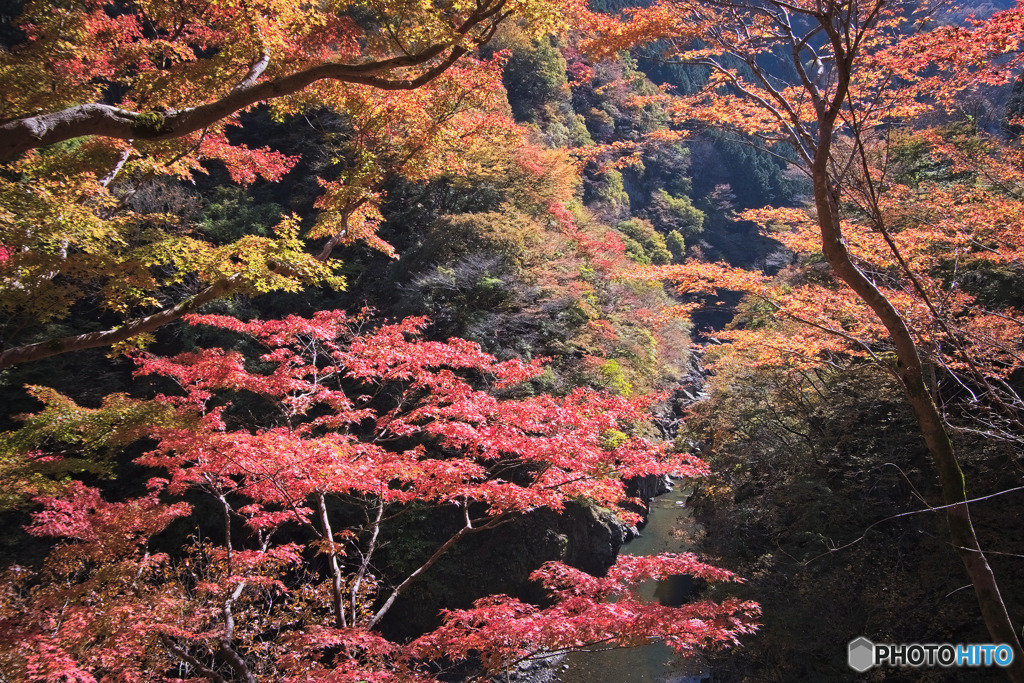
[[668, 529]]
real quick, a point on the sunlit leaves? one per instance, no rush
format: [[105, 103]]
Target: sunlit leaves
[[590, 611], [369, 419], [409, 106]]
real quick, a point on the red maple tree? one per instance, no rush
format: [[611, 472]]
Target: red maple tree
[[354, 426]]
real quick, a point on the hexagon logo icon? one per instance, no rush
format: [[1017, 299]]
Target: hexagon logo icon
[[862, 654]]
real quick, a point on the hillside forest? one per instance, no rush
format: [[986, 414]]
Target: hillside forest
[[351, 340]]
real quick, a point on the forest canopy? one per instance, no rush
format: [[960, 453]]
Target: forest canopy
[[349, 340]]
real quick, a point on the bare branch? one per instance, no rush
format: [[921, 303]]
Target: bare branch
[[232, 656], [184, 656], [464, 531], [367, 556], [257, 69], [336, 578]]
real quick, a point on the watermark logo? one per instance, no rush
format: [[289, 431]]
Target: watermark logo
[[863, 654]]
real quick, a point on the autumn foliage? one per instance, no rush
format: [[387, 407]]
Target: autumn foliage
[[126, 97], [835, 88], [278, 577]]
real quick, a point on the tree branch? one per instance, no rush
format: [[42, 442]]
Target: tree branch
[[255, 71], [464, 531], [367, 556], [29, 132], [184, 656], [227, 649], [91, 340], [337, 599]]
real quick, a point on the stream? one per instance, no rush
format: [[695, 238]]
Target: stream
[[655, 663]]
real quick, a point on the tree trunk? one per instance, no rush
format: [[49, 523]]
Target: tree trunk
[[911, 373]]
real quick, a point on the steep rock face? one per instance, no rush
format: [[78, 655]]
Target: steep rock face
[[592, 537], [647, 488], [499, 561]]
